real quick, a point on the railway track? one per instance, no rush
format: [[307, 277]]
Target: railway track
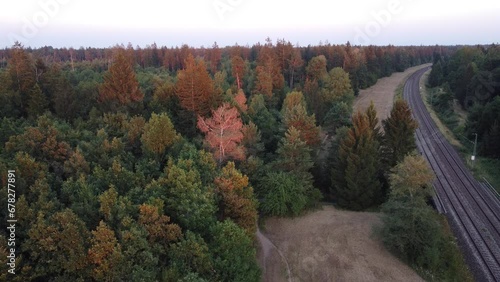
[[473, 211]]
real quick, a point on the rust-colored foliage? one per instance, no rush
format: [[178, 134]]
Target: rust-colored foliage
[[214, 56], [21, 69], [59, 244], [120, 83], [223, 133], [194, 87], [105, 254], [40, 142], [157, 225], [76, 164], [238, 70], [264, 82], [241, 101], [237, 198]]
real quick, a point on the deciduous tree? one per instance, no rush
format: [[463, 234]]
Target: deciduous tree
[[412, 178], [105, 254], [58, 246], [158, 226], [223, 133]]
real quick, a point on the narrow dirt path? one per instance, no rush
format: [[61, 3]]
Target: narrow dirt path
[[267, 248]]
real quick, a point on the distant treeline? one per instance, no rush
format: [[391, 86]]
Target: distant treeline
[[365, 64]]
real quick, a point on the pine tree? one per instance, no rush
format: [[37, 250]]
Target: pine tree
[[195, 88], [265, 121], [234, 257], [188, 201], [241, 101], [37, 102], [399, 130], [252, 139], [354, 174], [120, 86], [238, 70], [21, 69], [491, 143], [294, 155], [371, 114], [264, 83], [159, 134], [294, 114]]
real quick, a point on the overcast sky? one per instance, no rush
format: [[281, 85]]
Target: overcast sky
[[99, 23]]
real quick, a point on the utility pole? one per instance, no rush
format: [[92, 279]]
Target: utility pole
[[473, 158]]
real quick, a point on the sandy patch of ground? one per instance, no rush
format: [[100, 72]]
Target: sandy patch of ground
[[330, 245], [382, 93]]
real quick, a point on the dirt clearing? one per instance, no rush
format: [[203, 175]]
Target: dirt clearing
[[382, 93], [330, 245]]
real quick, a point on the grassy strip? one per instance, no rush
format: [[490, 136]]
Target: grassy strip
[[483, 167], [398, 94]]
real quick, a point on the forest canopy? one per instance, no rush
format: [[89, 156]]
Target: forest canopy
[[155, 163]]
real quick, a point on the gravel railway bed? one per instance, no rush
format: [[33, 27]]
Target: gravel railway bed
[[472, 210]]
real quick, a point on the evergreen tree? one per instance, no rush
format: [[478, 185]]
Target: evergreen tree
[[355, 173], [294, 155], [37, 102], [283, 194], [265, 121], [233, 253], [159, 134], [294, 114], [237, 200], [399, 130], [491, 143], [371, 113], [120, 87], [187, 201], [195, 88]]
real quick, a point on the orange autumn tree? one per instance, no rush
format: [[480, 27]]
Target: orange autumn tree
[[223, 133], [237, 200], [120, 86], [238, 69], [194, 87], [241, 101]]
